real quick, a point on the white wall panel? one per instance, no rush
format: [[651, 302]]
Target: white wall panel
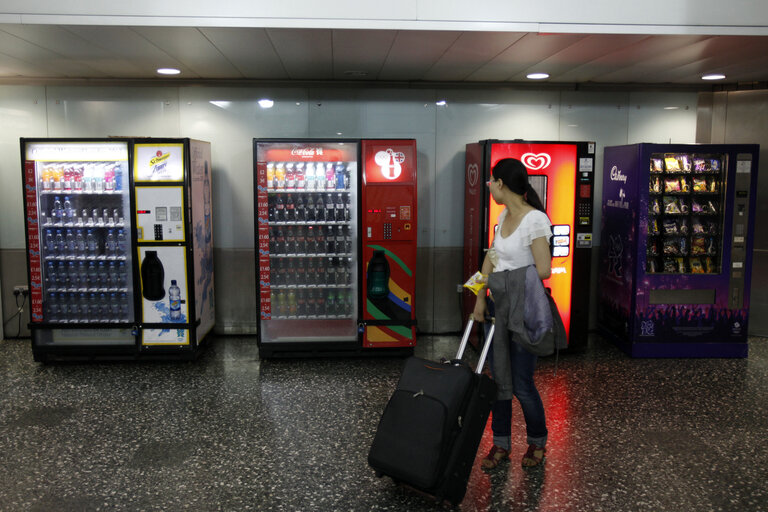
[[113, 111], [600, 117], [22, 114], [662, 117], [230, 118]]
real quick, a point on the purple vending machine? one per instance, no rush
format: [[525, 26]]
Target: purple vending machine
[[676, 248]]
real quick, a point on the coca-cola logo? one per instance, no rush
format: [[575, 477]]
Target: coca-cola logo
[[306, 152], [536, 161], [472, 174], [390, 163]]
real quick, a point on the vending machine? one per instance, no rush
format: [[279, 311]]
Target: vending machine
[[119, 245], [676, 248], [562, 174], [336, 231]]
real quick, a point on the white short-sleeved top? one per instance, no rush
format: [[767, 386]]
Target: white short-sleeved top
[[514, 251]]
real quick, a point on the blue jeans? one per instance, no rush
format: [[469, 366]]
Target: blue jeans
[[524, 389]]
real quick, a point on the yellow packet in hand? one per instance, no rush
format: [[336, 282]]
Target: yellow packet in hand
[[475, 283]]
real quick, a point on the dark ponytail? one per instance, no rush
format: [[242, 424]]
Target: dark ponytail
[[514, 175]]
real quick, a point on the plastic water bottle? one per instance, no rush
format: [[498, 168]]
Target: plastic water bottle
[[103, 308], [84, 307], [123, 305], [114, 279], [58, 210], [62, 278], [122, 275], [92, 245], [93, 275], [74, 277], [114, 308], [69, 211], [174, 297], [103, 275], [79, 244], [50, 276], [82, 275], [122, 243], [52, 307], [50, 243], [93, 307], [110, 246], [70, 244], [61, 245]]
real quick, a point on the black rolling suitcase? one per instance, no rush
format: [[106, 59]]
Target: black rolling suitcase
[[431, 427]]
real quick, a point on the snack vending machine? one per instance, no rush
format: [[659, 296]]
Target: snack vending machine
[[562, 173], [119, 245], [336, 232], [676, 250]]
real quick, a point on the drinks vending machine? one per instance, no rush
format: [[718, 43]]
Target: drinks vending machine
[[336, 232], [562, 173], [676, 250], [119, 247]]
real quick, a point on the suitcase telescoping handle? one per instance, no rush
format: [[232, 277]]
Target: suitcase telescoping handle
[[486, 346]]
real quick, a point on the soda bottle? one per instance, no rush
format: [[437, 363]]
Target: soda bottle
[[279, 209], [310, 276], [98, 179], [280, 242], [341, 176], [320, 272], [290, 209], [330, 303], [330, 210], [340, 240], [270, 175], [348, 240], [320, 209], [66, 184], [292, 303], [77, 179], [310, 242], [282, 273], [340, 274], [300, 211], [274, 268], [88, 179], [290, 240], [301, 274], [109, 179], [301, 303], [290, 176], [174, 298], [339, 207], [290, 273], [58, 178], [347, 212], [280, 175], [320, 303], [309, 209], [91, 244], [301, 241], [271, 208], [311, 302], [118, 173], [320, 240], [282, 306], [301, 176], [47, 179], [330, 272], [330, 240], [330, 177]]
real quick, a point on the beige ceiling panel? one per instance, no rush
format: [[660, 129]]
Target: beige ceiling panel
[[249, 50], [305, 54], [524, 53], [468, 53], [413, 53], [360, 54]]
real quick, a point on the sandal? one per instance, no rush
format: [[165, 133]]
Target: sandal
[[533, 456], [494, 457]]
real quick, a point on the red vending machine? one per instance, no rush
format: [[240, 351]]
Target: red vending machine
[[336, 233], [562, 173]]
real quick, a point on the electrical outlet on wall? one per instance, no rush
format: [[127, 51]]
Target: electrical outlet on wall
[[21, 289]]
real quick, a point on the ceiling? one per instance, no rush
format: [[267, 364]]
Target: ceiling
[[55, 52]]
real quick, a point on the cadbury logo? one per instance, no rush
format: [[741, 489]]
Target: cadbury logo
[[617, 175]]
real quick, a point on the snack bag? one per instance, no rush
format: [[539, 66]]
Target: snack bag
[[672, 185], [681, 265], [655, 185], [669, 265], [670, 227], [698, 246], [657, 165], [655, 207], [476, 282], [699, 185], [671, 205], [671, 247], [698, 227], [696, 266], [699, 165], [672, 164]]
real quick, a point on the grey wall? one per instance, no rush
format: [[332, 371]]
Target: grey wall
[[229, 117], [742, 117]]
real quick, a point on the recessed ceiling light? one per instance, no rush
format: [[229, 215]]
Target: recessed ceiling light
[[266, 103], [713, 76], [168, 71], [441, 103], [537, 76], [671, 108]]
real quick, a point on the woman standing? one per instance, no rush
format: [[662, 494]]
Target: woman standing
[[521, 239]]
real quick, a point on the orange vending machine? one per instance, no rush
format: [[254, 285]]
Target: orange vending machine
[[562, 173], [336, 233]]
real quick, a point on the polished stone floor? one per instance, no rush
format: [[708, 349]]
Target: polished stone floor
[[230, 432]]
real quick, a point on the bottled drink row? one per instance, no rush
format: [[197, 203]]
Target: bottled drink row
[[308, 176], [299, 240], [311, 303], [309, 207], [65, 214], [310, 272], [84, 177], [85, 244], [86, 276], [85, 307]]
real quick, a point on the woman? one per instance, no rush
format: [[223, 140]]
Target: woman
[[521, 239]]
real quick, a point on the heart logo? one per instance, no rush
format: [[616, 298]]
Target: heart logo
[[472, 174], [536, 162]]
